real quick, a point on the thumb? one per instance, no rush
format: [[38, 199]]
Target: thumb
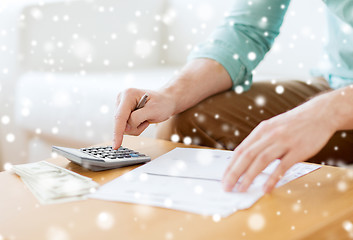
[[138, 117]]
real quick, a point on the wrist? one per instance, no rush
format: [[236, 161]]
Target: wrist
[[335, 109], [342, 108], [173, 93]]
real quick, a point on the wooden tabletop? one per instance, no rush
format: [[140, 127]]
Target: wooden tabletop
[[316, 206]]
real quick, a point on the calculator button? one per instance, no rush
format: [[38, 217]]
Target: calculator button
[[134, 155]]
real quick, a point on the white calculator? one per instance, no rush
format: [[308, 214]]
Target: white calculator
[[102, 158]]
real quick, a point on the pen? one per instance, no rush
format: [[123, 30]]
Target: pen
[[142, 101]]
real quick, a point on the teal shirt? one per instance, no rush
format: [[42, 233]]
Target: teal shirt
[[248, 32]]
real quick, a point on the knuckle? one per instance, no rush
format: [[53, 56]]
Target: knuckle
[[133, 120], [118, 117], [263, 157], [232, 174], [247, 178], [238, 152], [282, 167], [248, 155], [264, 125], [130, 91], [275, 133]]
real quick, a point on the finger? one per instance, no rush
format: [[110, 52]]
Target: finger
[[260, 163], [243, 162], [287, 162], [126, 106], [235, 157], [139, 116], [120, 124], [139, 129], [232, 162], [255, 135]]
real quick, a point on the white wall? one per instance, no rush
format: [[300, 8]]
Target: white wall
[[181, 24], [298, 47]]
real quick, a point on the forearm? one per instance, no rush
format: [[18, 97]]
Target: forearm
[[198, 80], [341, 107], [335, 108]]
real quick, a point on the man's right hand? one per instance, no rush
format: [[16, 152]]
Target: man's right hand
[[198, 80], [159, 107]]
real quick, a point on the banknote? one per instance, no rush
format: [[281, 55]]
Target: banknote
[[54, 184]]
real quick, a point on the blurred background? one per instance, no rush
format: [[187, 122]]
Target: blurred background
[[62, 62]]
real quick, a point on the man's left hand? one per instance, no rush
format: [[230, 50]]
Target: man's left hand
[[292, 137]]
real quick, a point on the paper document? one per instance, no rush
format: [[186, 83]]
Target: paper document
[[189, 180]]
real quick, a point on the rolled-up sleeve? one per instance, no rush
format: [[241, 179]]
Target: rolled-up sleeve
[[343, 9], [243, 38]]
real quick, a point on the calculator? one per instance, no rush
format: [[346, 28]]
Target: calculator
[[102, 158]]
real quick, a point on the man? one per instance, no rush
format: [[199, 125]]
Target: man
[[258, 123]]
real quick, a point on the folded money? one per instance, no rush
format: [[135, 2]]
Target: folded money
[[53, 184]]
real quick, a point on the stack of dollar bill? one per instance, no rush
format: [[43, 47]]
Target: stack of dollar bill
[[53, 184]]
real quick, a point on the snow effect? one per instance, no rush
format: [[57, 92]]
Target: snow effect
[[279, 89], [260, 101], [216, 218], [7, 166], [251, 56], [57, 233], [105, 220], [239, 89], [342, 186], [187, 140], [10, 137], [5, 120], [83, 48], [256, 222], [175, 138]]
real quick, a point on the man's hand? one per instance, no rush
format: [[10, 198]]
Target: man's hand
[[159, 107], [292, 137], [195, 82]]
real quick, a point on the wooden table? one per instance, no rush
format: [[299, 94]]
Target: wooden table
[[316, 206]]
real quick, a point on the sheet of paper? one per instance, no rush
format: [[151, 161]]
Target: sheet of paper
[[189, 180]]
